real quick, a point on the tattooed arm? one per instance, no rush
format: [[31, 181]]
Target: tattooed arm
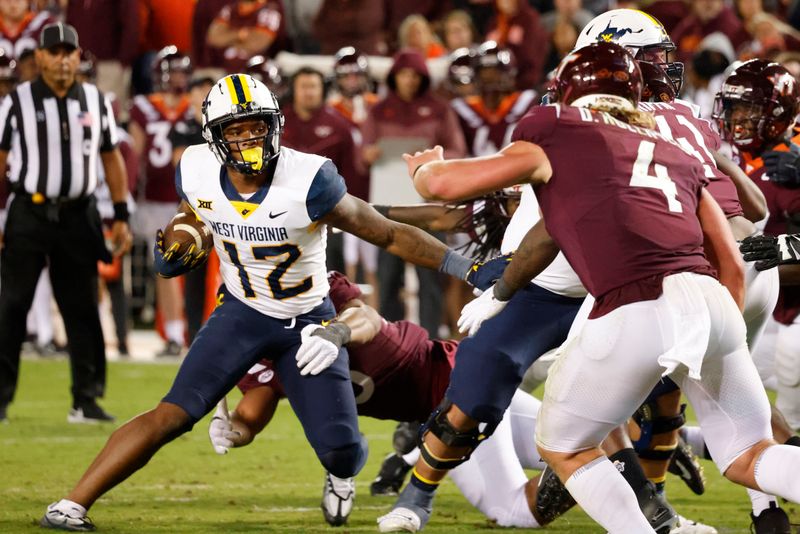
[[356, 217]]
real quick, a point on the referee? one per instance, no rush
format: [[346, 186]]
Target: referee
[[51, 133]]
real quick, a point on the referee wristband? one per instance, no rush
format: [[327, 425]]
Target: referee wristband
[[121, 212]]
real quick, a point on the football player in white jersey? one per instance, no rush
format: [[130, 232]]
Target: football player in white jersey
[[267, 207]]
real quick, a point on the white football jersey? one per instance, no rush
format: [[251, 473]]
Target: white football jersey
[[558, 277], [272, 253]]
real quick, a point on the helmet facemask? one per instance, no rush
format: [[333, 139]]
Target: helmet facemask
[[740, 120], [660, 55], [247, 154]]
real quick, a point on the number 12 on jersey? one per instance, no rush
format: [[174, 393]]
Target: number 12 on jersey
[[641, 177], [278, 290]]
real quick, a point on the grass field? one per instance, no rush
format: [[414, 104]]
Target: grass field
[[274, 485]]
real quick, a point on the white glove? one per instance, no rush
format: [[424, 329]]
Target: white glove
[[221, 431], [315, 353], [476, 312]]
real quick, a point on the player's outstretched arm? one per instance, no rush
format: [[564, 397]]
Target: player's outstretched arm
[[721, 248], [429, 217], [753, 202], [461, 179], [356, 217]]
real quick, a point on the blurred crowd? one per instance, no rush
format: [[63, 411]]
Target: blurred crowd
[[360, 81]]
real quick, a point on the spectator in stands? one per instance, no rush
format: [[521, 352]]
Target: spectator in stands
[[20, 26], [459, 31], [771, 36], [356, 23], [246, 28], [562, 41], [566, 12], [705, 72], [410, 111], [747, 9], [110, 30], [668, 12], [415, 33], [205, 11], [517, 26], [707, 17], [398, 11], [790, 60], [313, 127]]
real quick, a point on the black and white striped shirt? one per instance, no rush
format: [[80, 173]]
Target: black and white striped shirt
[[53, 142]]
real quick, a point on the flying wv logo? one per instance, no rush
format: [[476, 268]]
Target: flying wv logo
[[611, 35]]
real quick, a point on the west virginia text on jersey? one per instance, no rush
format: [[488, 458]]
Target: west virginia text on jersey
[[271, 250]]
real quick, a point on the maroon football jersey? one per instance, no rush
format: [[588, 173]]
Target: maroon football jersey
[[400, 375], [781, 203], [157, 120], [487, 131], [677, 120], [621, 203]]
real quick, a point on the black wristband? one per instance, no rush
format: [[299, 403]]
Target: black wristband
[[383, 210], [502, 292], [121, 212]]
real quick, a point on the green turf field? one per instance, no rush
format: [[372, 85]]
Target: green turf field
[[274, 485]]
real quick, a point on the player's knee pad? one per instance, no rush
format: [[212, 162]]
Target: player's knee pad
[[552, 498], [440, 426], [345, 461], [650, 424], [405, 438]]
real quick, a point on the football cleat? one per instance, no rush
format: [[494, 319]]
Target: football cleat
[[773, 520], [685, 464], [688, 526], [657, 510], [400, 520], [391, 476], [57, 519], [337, 499]]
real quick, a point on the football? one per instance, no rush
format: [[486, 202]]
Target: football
[[187, 230]]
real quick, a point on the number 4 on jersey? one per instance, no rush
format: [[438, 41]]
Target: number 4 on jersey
[[641, 177]]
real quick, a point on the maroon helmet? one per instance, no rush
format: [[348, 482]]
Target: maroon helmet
[[87, 67], [172, 70], [351, 72], [599, 69], [658, 86], [269, 73], [757, 104], [461, 70], [503, 65]]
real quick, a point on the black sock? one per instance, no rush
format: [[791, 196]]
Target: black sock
[[794, 441], [421, 484], [627, 462]]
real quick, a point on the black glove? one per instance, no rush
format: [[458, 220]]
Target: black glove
[[484, 274], [783, 168], [770, 251]]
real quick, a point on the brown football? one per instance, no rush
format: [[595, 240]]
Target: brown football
[[187, 230]]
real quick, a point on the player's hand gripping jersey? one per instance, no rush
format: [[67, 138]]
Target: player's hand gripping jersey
[[632, 197], [271, 250]]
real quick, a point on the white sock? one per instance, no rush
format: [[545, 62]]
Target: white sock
[[693, 435], [174, 331], [603, 494], [760, 501], [70, 507], [777, 471], [411, 458]]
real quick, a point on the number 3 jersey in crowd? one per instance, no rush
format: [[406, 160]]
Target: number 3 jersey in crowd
[[271, 248], [624, 211]]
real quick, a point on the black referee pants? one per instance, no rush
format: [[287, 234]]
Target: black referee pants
[[67, 238]]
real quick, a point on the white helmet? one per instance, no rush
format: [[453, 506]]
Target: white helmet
[[241, 97], [643, 35]]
